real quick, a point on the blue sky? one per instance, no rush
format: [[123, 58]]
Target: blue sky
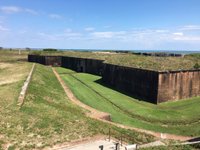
[[101, 24]]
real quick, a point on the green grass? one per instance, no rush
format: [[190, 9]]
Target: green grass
[[12, 56], [171, 147], [47, 116], [172, 117]]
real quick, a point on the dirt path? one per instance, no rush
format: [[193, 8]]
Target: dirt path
[[92, 112], [105, 117], [77, 142]]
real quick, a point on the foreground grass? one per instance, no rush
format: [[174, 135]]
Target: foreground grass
[[172, 117], [13, 56], [47, 116], [174, 147]]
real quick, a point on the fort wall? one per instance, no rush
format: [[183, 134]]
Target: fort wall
[[53, 60], [37, 58], [91, 66], [177, 85], [148, 85], [138, 82]]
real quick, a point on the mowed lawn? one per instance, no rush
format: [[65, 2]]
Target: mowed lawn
[[181, 117], [47, 117]]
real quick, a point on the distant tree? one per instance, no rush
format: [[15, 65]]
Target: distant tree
[[196, 66], [27, 48], [50, 49], [1, 48]]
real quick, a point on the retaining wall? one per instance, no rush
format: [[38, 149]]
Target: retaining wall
[[152, 86], [37, 58], [92, 66], [45, 60], [178, 85], [53, 60], [140, 83]]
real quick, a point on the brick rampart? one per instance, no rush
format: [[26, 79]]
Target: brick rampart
[[148, 85], [178, 85]]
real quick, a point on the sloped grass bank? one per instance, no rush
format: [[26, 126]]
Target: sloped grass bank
[[171, 117], [12, 77], [47, 116]]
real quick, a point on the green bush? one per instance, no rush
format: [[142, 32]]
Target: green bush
[[50, 50], [196, 66]]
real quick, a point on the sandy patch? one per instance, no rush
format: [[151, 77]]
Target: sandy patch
[[10, 79], [7, 82], [5, 65]]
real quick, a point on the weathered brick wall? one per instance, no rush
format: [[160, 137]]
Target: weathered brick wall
[[152, 86], [45, 60], [92, 66], [53, 60], [138, 82], [37, 59], [178, 85]]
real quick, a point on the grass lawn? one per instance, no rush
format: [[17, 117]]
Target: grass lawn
[[173, 147], [47, 116], [172, 117]]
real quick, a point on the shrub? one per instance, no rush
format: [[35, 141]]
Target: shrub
[[50, 49], [196, 66]]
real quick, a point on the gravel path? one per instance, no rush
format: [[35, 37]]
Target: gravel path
[[94, 145]]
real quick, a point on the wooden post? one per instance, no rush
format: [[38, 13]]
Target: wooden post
[[101, 147], [121, 138], [109, 134]]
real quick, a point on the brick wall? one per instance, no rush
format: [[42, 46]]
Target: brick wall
[[152, 86]]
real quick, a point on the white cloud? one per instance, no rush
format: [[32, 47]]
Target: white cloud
[[55, 16], [89, 29], [15, 9], [190, 27], [108, 34], [3, 28], [178, 33], [160, 38], [68, 34], [161, 31], [10, 9], [33, 12], [188, 38]]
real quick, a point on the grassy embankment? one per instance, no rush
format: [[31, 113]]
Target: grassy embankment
[[136, 61], [179, 117], [47, 116]]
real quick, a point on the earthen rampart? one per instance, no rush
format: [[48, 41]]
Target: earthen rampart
[[148, 85]]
